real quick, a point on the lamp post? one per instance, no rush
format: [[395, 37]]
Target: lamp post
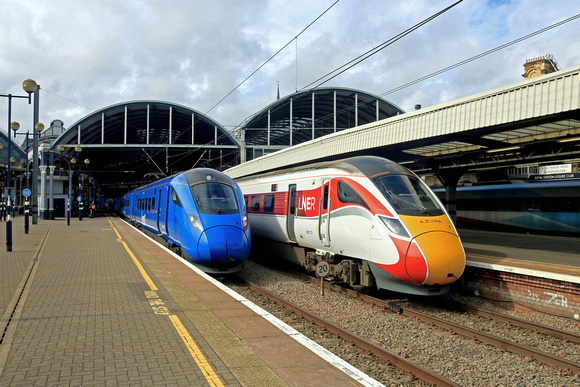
[[31, 87], [27, 196], [73, 161], [81, 185], [69, 162]]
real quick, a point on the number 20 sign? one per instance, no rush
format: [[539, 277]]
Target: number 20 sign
[[322, 269]]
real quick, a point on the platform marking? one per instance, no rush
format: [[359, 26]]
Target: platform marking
[[202, 363], [148, 279], [330, 357], [158, 307]]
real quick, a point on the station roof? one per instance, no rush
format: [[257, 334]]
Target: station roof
[[131, 143], [533, 121], [307, 115], [15, 151]]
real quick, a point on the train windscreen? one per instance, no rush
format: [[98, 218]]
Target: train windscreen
[[215, 198], [408, 195]]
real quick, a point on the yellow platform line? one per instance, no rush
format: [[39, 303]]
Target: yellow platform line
[[195, 352], [207, 370]]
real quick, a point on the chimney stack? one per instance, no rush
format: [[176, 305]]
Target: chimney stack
[[542, 65]]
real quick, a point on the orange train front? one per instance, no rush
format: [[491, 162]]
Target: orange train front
[[374, 221]]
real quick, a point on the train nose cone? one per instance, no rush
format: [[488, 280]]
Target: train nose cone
[[435, 258], [225, 245]]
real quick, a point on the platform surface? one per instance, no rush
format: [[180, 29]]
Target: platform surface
[[97, 303], [551, 256]]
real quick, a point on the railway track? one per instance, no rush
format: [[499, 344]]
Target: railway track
[[451, 356], [477, 335], [404, 364]]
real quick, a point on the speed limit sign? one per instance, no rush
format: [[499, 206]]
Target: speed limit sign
[[322, 269]]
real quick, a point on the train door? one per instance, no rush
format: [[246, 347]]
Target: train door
[[159, 206], [163, 210], [324, 213], [291, 212]]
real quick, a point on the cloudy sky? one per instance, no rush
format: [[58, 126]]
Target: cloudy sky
[[87, 55]]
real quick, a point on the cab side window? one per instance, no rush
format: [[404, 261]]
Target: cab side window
[[347, 194], [175, 197]]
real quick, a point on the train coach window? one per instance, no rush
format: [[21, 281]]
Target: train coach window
[[269, 203], [347, 194], [255, 203], [215, 198]]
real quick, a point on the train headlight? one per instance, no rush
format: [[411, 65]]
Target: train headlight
[[195, 222], [394, 226], [245, 221]]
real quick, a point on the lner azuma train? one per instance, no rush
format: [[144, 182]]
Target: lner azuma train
[[374, 221], [200, 212]]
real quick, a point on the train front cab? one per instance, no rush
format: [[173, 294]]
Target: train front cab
[[218, 213], [430, 252]]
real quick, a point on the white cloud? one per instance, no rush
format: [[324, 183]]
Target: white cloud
[[88, 55]]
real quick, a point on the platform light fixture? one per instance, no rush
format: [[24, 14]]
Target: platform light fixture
[[569, 139], [505, 149]]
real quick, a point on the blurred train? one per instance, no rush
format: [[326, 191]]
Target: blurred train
[[549, 207], [200, 212], [374, 221]]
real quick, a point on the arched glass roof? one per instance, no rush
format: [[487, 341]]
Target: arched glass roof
[[15, 151], [308, 115], [128, 143]]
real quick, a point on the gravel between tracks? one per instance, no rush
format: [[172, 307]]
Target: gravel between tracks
[[462, 360]]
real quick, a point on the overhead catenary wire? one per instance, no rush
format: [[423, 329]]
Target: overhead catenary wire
[[272, 57], [375, 50], [478, 56], [458, 64]]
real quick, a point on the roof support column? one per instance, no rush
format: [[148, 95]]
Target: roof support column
[[192, 128], [356, 109], [450, 180], [377, 110], [334, 111], [125, 128], [102, 128], [312, 115], [79, 134], [269, 126], [148, 124], [215, 135], [170, 123], [291, 122]]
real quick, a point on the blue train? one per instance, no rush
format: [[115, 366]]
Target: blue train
[[550, 207], [201, 212]]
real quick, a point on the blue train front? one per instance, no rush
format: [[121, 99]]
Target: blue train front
[[201, 212]]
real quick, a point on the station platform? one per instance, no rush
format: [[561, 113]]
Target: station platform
[[97, 302], [524, 272], [551, 257]]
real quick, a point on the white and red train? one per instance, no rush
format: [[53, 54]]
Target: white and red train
[[374, 221]]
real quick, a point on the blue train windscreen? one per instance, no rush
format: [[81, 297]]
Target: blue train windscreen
[[215, 198], [212, 191]]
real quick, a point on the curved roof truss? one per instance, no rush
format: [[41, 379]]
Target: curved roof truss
[[311, 114], [128, 143]]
